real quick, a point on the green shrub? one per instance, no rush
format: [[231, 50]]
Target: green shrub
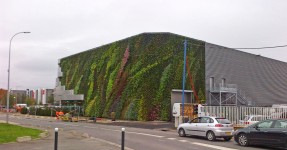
[[32, 111], [24, 110], [44, 111]]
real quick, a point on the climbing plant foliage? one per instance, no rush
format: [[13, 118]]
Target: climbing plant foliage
[[134, 77]]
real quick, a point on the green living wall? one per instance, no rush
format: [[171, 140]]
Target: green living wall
[[134, 77]]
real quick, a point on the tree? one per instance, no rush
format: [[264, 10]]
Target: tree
[[3, 100], [12, 100], [29, 101], [3, 96]]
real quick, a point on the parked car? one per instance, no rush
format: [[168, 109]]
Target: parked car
[[271, 132], [209, 127], [251, 119]]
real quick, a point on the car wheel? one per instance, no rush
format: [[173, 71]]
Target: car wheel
[[227, 138], [210, 136], [243, 140], [181, 132]]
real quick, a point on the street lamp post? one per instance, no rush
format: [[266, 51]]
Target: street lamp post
[[15, 99], [8, 89]]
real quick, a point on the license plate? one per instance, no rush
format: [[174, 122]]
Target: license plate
[[228, 133]]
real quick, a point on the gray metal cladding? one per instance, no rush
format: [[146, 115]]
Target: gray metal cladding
[[263, 79]]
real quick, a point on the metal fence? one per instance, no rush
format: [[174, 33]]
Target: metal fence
[[51, 111], [237, 114]]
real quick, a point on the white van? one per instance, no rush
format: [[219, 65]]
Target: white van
[[250, 119], [21, 105]]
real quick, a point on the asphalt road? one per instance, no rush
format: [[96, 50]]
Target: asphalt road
[[135, 138]]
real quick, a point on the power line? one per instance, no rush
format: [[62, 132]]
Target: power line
[[263, 47]]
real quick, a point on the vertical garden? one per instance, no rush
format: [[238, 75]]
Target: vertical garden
[[134, 77]]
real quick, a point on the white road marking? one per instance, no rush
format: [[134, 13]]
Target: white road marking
[[213, 146], [158, 136], [111, 143], [183, 141], [171, 138]]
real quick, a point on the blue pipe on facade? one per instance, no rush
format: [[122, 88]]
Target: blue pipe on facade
[[183, 75]]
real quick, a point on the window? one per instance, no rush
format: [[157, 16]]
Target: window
[[196, 120], [281, 124], [223, 120], [204, 120], [265, 124], [247, 118], [211, 120]]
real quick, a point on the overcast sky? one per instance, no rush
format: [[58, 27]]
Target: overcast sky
[[60, 28]]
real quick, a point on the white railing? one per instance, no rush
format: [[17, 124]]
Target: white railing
[[228, 87], [235, 114], [225, 87]]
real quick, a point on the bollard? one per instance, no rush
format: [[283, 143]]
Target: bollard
[[56, 139], [123, 138]]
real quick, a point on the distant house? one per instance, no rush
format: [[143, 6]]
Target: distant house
[[3, 94], [19, 96]]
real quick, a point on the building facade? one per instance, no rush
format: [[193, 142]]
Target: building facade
[[41, 96], [19, 96], [134, 77], [263, 81]]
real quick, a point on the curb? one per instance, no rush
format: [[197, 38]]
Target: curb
[[85, 135], [23, 139], [44, 134]]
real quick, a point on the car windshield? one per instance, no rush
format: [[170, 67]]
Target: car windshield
[[247, 118], [223, 120]]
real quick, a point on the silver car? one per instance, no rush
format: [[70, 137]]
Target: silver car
[[251, 119], [209, 127]]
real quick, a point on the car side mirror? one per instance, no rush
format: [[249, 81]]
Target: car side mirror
[[256, 127]]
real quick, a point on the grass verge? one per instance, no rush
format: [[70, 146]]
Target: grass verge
[[10, 132]]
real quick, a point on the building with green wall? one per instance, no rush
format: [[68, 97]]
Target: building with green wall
[[133, 77]]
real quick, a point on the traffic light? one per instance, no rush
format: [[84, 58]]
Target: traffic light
[[195, 109]]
